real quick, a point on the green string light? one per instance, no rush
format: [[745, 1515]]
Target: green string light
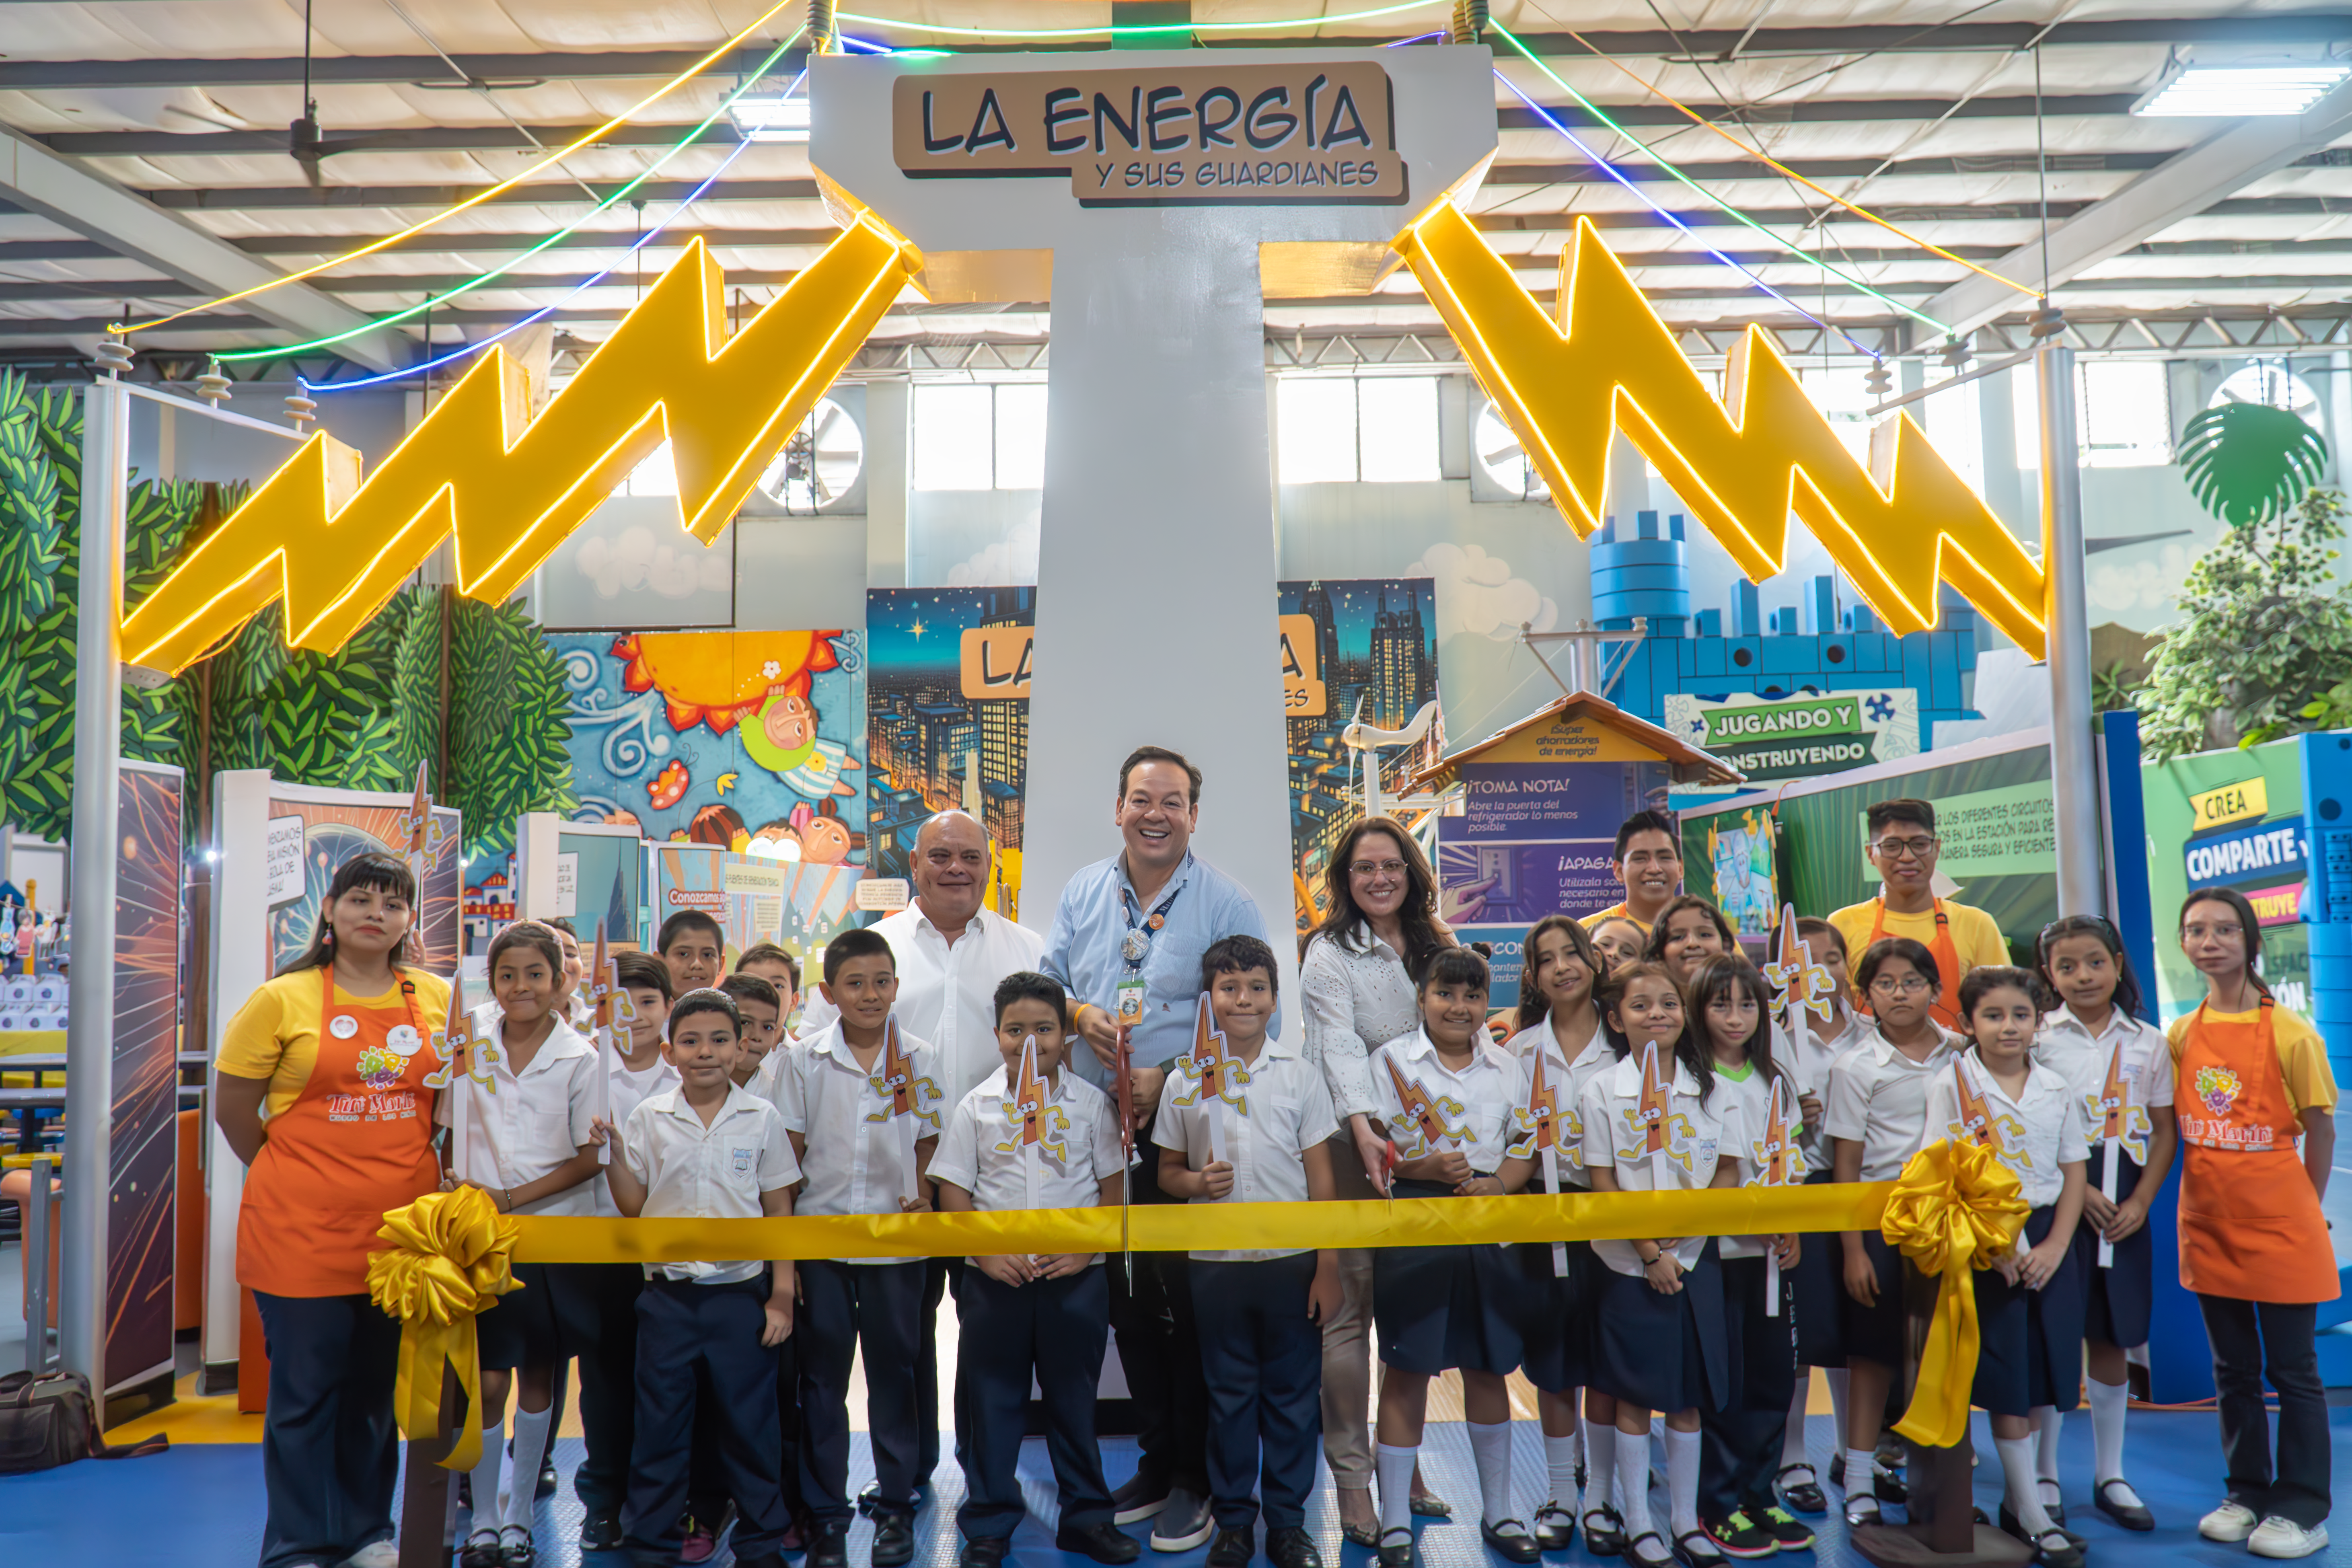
[[1799, 251], [558, 237]]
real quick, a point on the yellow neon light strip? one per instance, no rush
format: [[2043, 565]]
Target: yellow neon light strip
[[337, 549], [680, 80], [1743, 464]]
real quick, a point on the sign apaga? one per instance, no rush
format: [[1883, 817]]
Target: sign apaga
[[1310, 134]]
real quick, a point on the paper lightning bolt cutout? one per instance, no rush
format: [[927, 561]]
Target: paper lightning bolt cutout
[[896, 1081], [1028, 1107], [1780, 1163], [1742, 465], [1541, 1116], [1797, 981], [1650, 1113], [1978, 1123], [512, 491], [1427, 1115], [1219, 1076], [427, 839]]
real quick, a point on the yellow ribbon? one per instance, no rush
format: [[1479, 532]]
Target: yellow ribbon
[[448, 1261], [1213, 1227], [1955, 1209]]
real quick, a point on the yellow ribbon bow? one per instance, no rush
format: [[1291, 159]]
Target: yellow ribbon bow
[[1956, 1208], [448, 1260]]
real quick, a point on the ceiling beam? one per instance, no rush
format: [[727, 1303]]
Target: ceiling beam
[[2181, 186], [62, 191], [430, 70], [502, 138]]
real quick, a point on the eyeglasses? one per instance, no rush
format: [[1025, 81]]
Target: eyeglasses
[[2200, 932], [1376, 868], [1894, 986], [1905, 848]]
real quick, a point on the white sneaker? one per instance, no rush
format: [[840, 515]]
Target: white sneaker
[[2276, 1537], [374, 1554], [2230, 1521]]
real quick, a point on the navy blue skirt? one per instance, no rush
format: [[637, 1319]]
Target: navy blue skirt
[[1556, 1316], [1872, 1334], [529, 1327], [2118, 1300], [1818, 1286], [2030, 1343], [1438, 1309], [1657, 1351]]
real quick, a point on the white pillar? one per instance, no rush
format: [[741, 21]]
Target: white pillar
[[2073, 758]]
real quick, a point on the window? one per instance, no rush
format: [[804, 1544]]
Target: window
[[2126, 413], [979, 438], [1378, 430], [1955, 424], [2270, 382]]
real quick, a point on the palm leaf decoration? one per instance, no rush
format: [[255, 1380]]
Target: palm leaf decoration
[[2248, 462]]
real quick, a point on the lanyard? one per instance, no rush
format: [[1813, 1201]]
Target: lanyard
[[1137, 945]]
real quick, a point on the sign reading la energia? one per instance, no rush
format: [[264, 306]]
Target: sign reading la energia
[[1307, 134]]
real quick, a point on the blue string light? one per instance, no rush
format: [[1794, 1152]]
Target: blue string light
[[1614, 173]]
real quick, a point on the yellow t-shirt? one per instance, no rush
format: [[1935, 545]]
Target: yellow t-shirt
[[1975, 937], [276, 1033], [1614, 912], [2302, 1054]]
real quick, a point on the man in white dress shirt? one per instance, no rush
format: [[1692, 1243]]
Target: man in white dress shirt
[[950, 954]]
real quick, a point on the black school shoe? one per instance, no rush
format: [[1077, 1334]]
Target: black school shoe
[[1397, 1549], [2130, 1515], [1604, 1531], [828, 1544], [1292, 1548], [1233, 1548], [1509, 1541], [984, 1552], [1694, 1549], [599, 1532], [2013, 1525], [893, 1539], [1555, 1528], [1105, 1543], [870, 1503]]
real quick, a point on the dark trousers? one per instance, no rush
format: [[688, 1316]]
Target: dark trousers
[[329, 1452], [1740, 1449], [840, 1304], [607, 1303], [699, 1343], [1054, 1329], [1262, 1365], [2252, 1340], [1159, 1349]]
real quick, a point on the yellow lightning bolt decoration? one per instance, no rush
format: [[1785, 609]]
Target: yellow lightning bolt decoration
[[1743, 464], [337, 549]]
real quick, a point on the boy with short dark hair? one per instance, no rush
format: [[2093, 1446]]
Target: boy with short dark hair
[[764, 1025], [863, 1107], [707, 1149], [1246, 1120], [694, 945], [1021, 1315], [777, 967]]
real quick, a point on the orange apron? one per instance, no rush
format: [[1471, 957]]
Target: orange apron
[[355, 1142], [1945, 1009], [2251, 1227]]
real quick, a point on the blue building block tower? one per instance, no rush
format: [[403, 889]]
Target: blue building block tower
[[1811, 645]]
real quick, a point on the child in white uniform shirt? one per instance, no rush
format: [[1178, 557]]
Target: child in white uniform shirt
[[1877, 1109], [530, 1146], [2030, 1306], [1448, 1097], [862, 1102], [707, 1149], [1559, 1023], [2121, 1071], [1659, 1339], [1044, 1317], [763, 1028], [1260, 1313]]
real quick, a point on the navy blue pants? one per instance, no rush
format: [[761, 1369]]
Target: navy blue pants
[[698, 1340], [606, 1302], [1261, 1359], [1741, 1451], [1152, 1322], [2252, 1340], [329, 1452], [1054, 1329], [881, 1303], [938, 1275]]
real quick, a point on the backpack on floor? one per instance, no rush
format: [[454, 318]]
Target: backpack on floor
[[48, 1419]]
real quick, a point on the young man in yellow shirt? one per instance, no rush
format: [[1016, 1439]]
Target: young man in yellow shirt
[[1904, 846], [1648, 864]]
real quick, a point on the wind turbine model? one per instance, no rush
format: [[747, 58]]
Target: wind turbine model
[[1361, 738]]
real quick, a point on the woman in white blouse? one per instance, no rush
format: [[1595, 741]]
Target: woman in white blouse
[[1357, 974]]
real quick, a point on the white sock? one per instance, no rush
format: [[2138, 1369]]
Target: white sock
[[2025, 1492], [1838, 1379], [1393, 1466], [1490, 1446], [2109, 1403], [530, 1430], [1681, 1481], [1858, 1473], [1633, 1485], [1559, 1462], [2047, 1423], [1599, 1463], [1792, 1435], [1576, 1402], [485, 1474]]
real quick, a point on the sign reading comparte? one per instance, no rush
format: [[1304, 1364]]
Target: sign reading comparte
[[1309, 134]]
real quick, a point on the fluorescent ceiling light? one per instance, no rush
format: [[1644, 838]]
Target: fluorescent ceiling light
[[2231, 91], [770, 118]]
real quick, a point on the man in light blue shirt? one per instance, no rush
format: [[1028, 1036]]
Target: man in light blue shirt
[[1147, 913]]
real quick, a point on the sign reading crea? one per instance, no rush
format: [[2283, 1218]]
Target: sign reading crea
[[1316, 133]]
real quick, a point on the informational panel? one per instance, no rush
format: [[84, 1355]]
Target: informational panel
[[798, 905], [142, 1208], [2230, 819], [584, 872], [1774, 738], [332, 826]]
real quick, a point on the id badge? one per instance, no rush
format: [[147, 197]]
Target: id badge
[[1130, 1000]]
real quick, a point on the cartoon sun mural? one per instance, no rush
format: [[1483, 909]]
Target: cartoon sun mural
[[720, 679]]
